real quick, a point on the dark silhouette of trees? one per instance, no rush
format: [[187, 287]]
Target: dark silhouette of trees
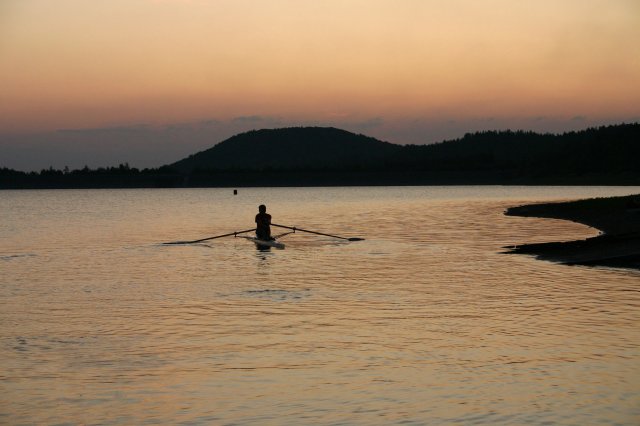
[[327, 156]]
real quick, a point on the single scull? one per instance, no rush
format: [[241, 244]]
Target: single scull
[[264, 243]]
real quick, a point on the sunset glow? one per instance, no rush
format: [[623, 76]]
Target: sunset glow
[[75, 64]]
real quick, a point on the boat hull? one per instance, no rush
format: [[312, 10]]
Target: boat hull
[[266, 243]]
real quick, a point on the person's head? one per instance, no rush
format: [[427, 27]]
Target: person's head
[[262, 208]]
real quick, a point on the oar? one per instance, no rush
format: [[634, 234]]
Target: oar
[[211, 238], [282, 235], [318, 233]]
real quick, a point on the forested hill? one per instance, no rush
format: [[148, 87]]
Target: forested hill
[[610, 151], [296, 148], [605, 151], [309, 156]]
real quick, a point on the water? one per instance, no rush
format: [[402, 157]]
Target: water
[[424, 322]]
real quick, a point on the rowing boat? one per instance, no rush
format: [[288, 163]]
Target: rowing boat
[[264, 243]]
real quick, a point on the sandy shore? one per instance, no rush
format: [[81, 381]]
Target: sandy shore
[[618, 218]]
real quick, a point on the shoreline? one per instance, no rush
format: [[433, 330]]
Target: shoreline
[[618, 219]]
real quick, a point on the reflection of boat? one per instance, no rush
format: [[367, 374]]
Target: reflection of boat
[[264, 243]]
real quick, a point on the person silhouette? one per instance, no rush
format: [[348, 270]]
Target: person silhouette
[[263, 224]]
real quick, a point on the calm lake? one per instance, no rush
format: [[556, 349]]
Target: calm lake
[[424, 322]]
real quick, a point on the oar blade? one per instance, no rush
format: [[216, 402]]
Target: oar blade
[[356, 239]]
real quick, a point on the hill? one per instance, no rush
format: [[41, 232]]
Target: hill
[[604, 155], [321, 156], [604, 152], [296, 148]]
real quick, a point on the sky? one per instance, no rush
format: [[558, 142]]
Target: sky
[[148, 82]]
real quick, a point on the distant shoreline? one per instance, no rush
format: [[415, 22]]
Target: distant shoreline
[[113, 179], [326, 156], [617, 217]]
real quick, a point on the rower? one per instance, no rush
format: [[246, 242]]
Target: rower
[[263, 222]]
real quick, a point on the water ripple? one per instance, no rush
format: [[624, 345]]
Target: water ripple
[[424, 322]]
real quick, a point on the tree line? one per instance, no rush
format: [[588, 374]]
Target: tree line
[[603, 155]]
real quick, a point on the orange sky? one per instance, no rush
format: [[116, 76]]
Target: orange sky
[[85, 64]]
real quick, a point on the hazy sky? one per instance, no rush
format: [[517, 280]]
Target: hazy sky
[[150, 81]]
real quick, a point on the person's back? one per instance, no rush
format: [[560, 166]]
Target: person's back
[[263, 224]]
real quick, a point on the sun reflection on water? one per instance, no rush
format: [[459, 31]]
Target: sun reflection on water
[[425, 321]]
